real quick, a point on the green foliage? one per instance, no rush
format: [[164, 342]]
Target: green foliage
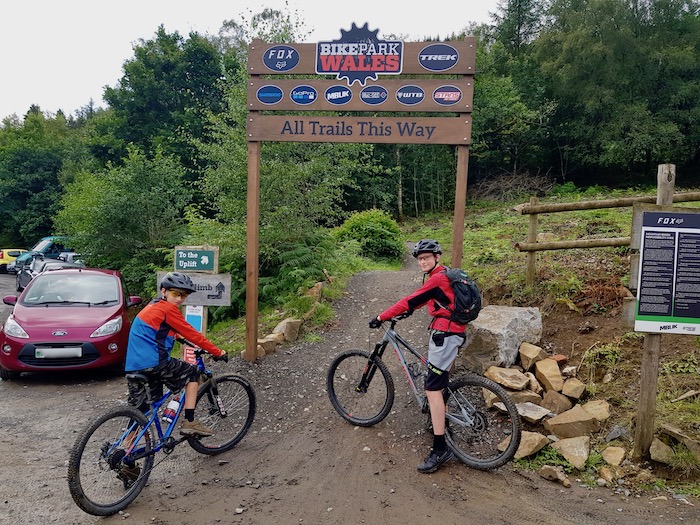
[[128, 217], [545, 456], [686, 364], [377, 233], [684, 462]]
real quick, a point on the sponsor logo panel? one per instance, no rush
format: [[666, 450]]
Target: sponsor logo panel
[[447, 95], [410, 95], [338, 95], [374, 95], [438, 57], [281, 58], [304, 95], [269, 95]]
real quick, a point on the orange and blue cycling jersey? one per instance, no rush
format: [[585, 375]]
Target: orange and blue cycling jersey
[[153, 334]]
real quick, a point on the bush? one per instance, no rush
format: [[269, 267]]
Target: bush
[[376, 232]]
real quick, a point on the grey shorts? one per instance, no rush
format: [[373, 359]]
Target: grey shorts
[[442, 351], [174, 374]]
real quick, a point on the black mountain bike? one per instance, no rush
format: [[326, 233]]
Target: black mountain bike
[[112, 459], [483, 427]]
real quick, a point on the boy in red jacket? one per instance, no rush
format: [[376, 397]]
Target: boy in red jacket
[[446, 337]]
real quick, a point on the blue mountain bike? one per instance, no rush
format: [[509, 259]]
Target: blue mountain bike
[[112, 459]]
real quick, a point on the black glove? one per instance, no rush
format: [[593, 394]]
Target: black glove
[[223, 357], [375, 323]]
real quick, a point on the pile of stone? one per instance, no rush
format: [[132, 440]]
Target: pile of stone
[[502, 345]]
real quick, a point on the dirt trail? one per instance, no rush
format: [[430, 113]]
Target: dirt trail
[[300, 463]]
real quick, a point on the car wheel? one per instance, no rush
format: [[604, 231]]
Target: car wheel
[[6, 375], [18, 284], [3, 268]]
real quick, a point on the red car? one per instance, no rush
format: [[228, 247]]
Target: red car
[[66, 319]]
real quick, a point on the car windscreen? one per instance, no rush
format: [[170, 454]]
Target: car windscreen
[[79, 288], [41, 245]]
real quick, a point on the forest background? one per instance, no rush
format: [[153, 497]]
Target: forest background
[[569, 95]]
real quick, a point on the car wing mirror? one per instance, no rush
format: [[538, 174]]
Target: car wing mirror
[[10, 300], [134, 300]]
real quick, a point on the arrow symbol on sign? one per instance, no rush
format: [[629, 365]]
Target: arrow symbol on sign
[[220, 292]]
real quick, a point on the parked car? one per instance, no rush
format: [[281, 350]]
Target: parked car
[[50, 247], [7, 256], [70, 257], [67, 319], [37, 265]]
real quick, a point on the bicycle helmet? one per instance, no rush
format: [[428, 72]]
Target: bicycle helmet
[[426, 246], [178, 280]]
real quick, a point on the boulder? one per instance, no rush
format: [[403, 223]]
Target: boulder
[[660, 451], [614, 455], [530, 354], [556, 402], [530, 443], [572, 423], [575, 450], [548, 374], [496, 336], [573, 388], [507, 377], [599, 409], [290, 329]]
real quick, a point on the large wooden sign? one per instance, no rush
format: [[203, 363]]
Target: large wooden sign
[[427, 86]]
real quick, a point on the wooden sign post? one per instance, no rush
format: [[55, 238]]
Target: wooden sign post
[[371, 76]]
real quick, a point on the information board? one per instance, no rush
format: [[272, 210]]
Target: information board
[[668, 290]]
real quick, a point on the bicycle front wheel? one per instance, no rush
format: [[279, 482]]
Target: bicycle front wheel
[[357, 392], [227, 406], [101, 478], [483, 437]]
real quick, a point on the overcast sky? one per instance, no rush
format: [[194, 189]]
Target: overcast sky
[[59, 54]]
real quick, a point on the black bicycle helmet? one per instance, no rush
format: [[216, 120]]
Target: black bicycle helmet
[[426, 246], [178, 280]]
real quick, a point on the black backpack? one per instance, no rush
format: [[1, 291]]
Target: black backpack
[[467, 302]]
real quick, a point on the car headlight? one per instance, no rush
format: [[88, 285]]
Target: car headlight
[[110, 327], [13, 329]]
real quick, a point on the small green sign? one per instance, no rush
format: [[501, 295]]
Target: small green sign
[[194, 260]]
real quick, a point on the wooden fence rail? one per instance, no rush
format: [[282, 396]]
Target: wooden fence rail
[[534, 209]]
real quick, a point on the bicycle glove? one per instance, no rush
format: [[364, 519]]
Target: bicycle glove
[[374, 322], [223, 357]]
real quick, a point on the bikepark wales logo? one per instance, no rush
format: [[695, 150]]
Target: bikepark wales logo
[[281, 58], [359, 55], [438, 57]]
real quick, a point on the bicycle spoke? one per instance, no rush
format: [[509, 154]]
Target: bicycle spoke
[[229, 416], [482, 437], [362, 392], [101, 478]]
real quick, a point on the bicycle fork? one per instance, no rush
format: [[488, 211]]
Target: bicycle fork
[[465, 409]]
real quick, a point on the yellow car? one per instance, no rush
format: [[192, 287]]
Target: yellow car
[[7, 255]]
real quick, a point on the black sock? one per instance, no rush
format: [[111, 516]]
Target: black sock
[[189, 415], [439, 444]]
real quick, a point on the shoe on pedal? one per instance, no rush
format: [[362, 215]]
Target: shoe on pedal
[[434, 461], [195, 428]]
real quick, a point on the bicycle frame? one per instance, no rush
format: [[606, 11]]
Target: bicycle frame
[[154, 419], [397, 343]]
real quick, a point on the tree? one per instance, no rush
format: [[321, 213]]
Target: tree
[[127, 217]]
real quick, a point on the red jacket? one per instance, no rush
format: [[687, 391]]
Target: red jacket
[[437, 293]]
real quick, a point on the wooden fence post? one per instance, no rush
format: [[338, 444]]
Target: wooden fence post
[[531, 269], [644, 432]]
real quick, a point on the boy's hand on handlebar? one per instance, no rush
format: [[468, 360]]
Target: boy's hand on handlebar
[[375, 322], [223, 357]]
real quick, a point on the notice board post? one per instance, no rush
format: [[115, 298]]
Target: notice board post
[[644, 432]]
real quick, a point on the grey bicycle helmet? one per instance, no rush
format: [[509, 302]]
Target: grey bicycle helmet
[[178, 280], [426, 246]]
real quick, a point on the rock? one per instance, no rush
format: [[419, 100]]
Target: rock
[[618, 431], [560, 359], [572, 423], [575, 450], [518, 396], [316, 291], [660, 451], [556, 402], [614, 455], [548, 374], [497, 335], [530, 412], [530, 354], [260, 351], [507, 377], [573, 388], [553, 473], [533, 384], [599, 409], [568, 371], [530, 443], [288, 327], [269, 344], [692, 445]]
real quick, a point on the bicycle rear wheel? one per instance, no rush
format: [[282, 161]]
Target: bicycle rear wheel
[[357, 392], [101, 482], [482, 437], [234, 396]]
